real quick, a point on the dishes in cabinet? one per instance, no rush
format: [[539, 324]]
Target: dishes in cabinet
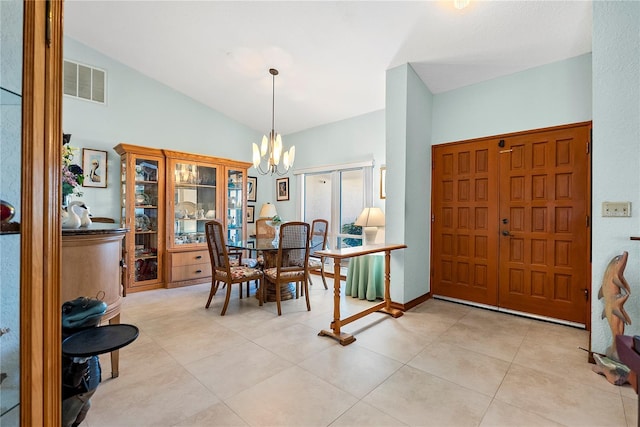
[[142, 199], [185, 210], [149, 171], [143, 223]]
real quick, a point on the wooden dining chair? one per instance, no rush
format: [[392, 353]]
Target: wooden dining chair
[[221, 269], [318, 242], [292, 260]]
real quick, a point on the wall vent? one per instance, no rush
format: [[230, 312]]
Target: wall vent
[[85, 82]]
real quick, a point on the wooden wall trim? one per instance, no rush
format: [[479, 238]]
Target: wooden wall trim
[[410, 304], [40, 335], [519, 133]]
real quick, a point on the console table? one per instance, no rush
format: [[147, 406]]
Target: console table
[[384, 307], [91, 268]]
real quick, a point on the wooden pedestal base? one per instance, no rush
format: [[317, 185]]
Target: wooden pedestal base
[[343, 338], [287, 292]]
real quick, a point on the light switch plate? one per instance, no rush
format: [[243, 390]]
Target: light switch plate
[[616, 209]]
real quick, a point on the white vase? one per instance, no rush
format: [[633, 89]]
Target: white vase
[[66, 200], [276, 240]]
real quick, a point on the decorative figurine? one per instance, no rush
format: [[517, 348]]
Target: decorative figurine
[[615, 291]]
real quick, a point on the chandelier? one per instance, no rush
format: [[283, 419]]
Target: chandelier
[[272, 146]]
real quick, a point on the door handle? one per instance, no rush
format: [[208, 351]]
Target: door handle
[[506, 233]]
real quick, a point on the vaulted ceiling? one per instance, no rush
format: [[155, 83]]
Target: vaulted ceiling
[[332, 55]]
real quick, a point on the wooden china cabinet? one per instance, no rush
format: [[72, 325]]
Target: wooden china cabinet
[[200, 188], [166, 198], [142, 201], [142, 192]]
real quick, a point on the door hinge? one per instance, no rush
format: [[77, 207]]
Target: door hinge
[[588, 147], [588, 221], [433, 218]]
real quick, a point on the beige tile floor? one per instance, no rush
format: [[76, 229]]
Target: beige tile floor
[[441, 364]]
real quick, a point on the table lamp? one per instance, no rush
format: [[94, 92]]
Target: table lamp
[[268, 211], [370, 219]]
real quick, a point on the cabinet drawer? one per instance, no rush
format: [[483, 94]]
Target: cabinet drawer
[[189, 258], [189, 272]]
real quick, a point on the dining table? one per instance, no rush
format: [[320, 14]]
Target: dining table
[[269, 248]]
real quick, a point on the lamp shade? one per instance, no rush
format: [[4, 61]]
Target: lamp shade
[[370, 217], [268, 211]]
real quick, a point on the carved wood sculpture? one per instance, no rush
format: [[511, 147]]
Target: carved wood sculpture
[[615, 291]]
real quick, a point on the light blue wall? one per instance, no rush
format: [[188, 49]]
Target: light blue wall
[[397, 105], [417, 188], [356, 139], [409, 111], [408, 145], [616, 152], [550, 95], [141, 111]]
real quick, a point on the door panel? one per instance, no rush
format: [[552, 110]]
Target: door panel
[[510, 221], [464, 221], [543, 211]]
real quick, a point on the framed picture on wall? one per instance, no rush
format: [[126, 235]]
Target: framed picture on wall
[[251, 211], [282, 189], [94, 166], [252, 188], [383, 182]]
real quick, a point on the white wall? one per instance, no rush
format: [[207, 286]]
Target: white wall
[[616, 152], [141, 111]]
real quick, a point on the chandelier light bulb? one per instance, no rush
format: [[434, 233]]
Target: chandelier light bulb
[[285, 160], [292, 155], [256, 155], [263, 146]]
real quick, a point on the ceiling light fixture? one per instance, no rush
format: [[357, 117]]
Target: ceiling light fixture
[[461, 4], [273, 144]]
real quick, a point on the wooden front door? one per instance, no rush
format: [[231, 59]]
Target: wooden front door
[[511, 221], [464, 221]]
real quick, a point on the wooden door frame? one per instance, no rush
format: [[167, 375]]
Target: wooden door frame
[[40, 334]]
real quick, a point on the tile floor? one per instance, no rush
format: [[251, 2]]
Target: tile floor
[[441, 364]]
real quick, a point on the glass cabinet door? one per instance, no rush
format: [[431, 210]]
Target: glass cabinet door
[[145, 203], [236, 211], [194, 202]]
